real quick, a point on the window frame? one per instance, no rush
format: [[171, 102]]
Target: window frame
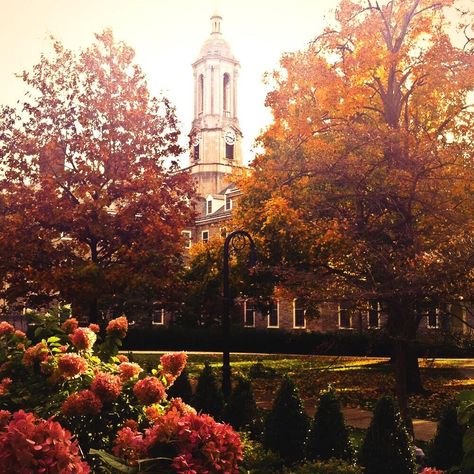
[[294, 315], [188, 236], [340, 308], [206, 240], [228, 203], [378, 311], [437, 313], [277, 306], [161, 311], [254, 314]]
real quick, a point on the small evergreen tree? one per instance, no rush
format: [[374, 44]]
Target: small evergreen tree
[[446, 448], [387, 447], [241, 409], [328, 437], [182, 388], [208, 397], [286, 425]]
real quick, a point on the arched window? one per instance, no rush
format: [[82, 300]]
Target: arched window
[[226, 94], [200, 93]]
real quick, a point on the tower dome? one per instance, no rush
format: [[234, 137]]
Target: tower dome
[[216, 45]]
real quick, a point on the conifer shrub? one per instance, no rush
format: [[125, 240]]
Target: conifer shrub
[[328, 436], [208, 397], [332, 466], [182, 388], [446, 451], [241, 409], [387, 447], [286, 425]]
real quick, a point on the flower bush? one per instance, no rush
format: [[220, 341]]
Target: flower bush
[[73, 374], [29, 444]]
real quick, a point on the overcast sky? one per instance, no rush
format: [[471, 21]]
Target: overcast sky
[[166, 35]]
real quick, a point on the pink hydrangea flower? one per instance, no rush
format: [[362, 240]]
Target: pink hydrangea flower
[[35, 354], [173, 363], [431, 470], [4, 385], [70, 325], [128, 370], [20, 334], [122, 358], [5, 416], [179, 406], [106, 386], [117, 327], [83, 339], [82, 403], [6, 328], [94, 328], [149, 390], [129, 445], [30, 444], [70, 365]]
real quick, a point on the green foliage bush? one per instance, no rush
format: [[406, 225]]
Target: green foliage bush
[[257, 459], [446, 450], [329, 437], [333, 466], [286, 425], [182, 388], [208, 397], [387, 447], [241, 409]]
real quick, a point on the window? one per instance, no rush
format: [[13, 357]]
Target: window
[[158, 316], [229, 151], [200, 93], [223, 232], [249, 314], [228, 203], [299, 314], [345, 317], [187, 238], [273, 315], [196, 152], [373, 315], [209, 207], [432, 318], [205, 236], [226, 94]]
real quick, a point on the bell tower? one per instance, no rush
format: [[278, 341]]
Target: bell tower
[[215, 137]]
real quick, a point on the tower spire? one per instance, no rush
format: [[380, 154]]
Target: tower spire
[[216, 20]]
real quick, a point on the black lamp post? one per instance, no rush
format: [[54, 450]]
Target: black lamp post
[[235, 240]]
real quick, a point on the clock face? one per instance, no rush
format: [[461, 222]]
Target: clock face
[[229, 136], [196, 138]]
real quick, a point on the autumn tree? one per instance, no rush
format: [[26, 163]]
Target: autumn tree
[[92, 200], [364, 190]]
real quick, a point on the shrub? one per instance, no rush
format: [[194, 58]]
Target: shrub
[[31, 444], [446, 450], [258, 460], [208, 397], [333, 466], [386, 447], [328, 437], [241, 409], [182, 388], [286, 425]]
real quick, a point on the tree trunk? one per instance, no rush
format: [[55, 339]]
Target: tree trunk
[[93, 312]]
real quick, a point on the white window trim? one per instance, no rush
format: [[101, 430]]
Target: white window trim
[[202, 235], [162, 321], [278, 316], [379, 311], [339, 318], [294, 316], [188, 236], [228, 199], [207, 207], [245, 316], [428, 326]]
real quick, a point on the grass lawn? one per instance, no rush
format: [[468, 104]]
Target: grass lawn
[[359, 381]]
